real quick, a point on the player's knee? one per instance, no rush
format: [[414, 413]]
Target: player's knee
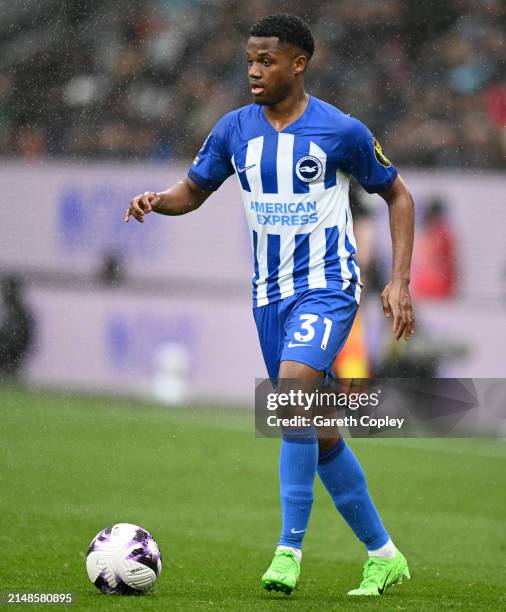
[[327, 444], [297, 384], [304, 374]]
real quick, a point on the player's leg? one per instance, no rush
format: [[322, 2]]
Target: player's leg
[[297, 470], [311, 334], [283, 573], [344, 479]]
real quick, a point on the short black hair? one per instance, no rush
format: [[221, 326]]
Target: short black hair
[[289, 28]]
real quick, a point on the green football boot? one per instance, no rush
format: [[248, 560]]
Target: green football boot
[[380, 573], [283, 573]]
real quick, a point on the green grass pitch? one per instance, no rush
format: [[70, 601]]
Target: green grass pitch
[[206, 488]]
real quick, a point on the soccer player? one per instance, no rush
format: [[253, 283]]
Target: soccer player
[[293, 156]]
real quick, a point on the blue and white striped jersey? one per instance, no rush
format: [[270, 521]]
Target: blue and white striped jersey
[[294, 185]]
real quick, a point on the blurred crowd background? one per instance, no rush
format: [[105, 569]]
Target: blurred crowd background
[[87, 302], [147, 79]]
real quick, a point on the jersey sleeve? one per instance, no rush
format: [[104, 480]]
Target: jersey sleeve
[[363, 158], [212, 165]]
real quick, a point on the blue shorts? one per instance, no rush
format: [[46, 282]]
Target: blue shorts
[[310, 327]]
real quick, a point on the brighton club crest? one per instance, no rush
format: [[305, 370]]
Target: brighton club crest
[[309, 168]]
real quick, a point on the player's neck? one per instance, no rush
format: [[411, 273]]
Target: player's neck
[[287, 111]]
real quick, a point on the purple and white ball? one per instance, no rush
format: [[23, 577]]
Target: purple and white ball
[[123, 559]]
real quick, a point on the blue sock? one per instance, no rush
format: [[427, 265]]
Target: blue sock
[[297, 469], [344, 478]]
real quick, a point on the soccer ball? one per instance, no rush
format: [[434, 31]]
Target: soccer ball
[[123, 559]]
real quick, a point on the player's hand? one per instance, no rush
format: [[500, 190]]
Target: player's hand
[[142, 205], [397, 303]]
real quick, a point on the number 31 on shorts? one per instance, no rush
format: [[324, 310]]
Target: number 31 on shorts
[[308, 331]]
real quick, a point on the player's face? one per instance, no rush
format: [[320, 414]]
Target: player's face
[[272, 69]]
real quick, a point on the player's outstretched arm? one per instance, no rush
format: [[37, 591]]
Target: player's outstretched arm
[[181, 198], [396, 297]]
